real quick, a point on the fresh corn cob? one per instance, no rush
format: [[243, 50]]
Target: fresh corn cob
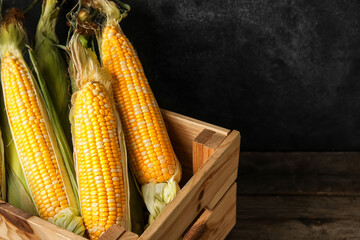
[[33, 135], [51, 64], [151, 156], [99, 145], [17, 192]]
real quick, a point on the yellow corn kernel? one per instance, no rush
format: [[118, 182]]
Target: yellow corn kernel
[[96, 167], [27, 122], [148, 144]]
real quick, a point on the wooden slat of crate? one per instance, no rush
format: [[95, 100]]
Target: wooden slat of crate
[[216, 223], [182, 143], [17, 224], [116, 232], [203, 190], [204, 146]]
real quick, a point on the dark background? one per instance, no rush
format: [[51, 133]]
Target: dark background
[[286, 73]]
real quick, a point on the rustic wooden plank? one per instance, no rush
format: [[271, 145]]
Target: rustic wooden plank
[[117, 232], [306, 173], [113, 233], [291, 229], [182, 131], [298, 195], [198, 192], [294, 207], [212, 144], [199, 158], [17, 224], [128, 236], [172, 118], [215, 224]]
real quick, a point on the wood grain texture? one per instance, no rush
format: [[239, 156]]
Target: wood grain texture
[[113, 233], [308, 173], [16, 224], [216, 223], [199, 156], [116, 232], [298, 195], [204, 146], [212, 144], [293, 229], [128, 236], [182, 131], [295, 207], [203, 190]]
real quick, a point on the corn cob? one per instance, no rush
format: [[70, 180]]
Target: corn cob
[[17, 192], [150, 153], [51, 64], [34, 138], [99, 145]]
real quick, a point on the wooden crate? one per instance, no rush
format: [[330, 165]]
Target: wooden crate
[[205, 207]]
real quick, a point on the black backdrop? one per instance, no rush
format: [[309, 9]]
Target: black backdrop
[[286, 73]]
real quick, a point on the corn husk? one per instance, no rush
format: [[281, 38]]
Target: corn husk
[[12, 42], [52, 65], [86, 68], [2, 170]]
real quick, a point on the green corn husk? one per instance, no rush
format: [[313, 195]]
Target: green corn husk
[[2, 170], [137, 206], [52, 65], [12, 41]]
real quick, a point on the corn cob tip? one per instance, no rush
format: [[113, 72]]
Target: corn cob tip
[[84, 24], [13, 15], [109, 8], [69, 219], [84, 65], [12, 34]]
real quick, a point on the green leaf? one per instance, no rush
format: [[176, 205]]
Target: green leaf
[[17, 194], [51, 64]]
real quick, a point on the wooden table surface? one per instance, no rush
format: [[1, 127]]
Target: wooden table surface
[[296, 195]]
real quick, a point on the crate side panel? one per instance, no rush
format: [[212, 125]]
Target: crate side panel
[[17, 224], [182, 131], [199, 191], [216, 223]]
